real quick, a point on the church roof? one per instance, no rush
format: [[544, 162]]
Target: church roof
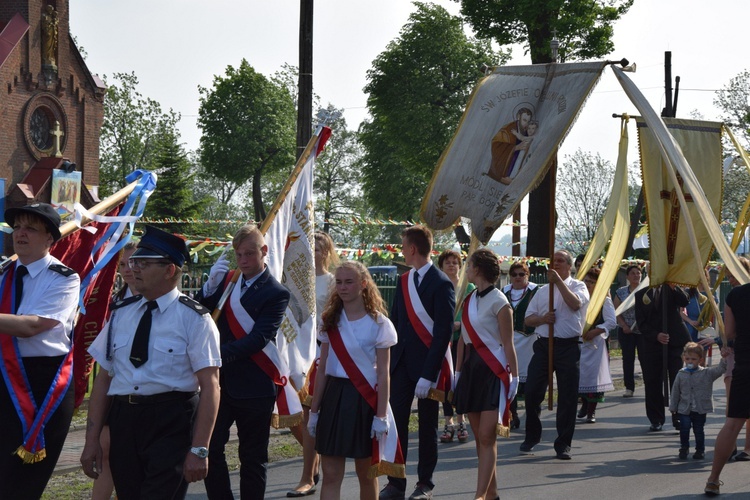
[[10, 35]]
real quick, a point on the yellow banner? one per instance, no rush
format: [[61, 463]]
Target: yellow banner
[[672, 259]]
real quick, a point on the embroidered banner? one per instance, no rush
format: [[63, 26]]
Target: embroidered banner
[[511, 129]]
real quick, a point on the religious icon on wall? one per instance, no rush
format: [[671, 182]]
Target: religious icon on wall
[[66, 191]]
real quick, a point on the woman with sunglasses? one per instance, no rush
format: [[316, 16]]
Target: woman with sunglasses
[[519, 293]]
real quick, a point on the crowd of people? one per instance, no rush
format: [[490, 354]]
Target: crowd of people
[[173, 380]]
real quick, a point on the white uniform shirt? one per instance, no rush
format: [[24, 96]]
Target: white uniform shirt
[[181, 342], [49, 294], [370, 335], [488, 308], [568, 323]]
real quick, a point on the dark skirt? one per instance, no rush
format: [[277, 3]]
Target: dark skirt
[[344, 422], [478, 388]]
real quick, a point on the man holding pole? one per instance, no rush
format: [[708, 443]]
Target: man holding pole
[[663, 335], [565, 316], [247, 324]]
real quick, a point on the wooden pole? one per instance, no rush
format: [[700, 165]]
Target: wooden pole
[[551, 340], [271, 214]]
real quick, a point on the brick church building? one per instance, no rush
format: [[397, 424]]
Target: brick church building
[[51, 105]]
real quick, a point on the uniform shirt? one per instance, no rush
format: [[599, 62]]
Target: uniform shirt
[[370, 335], [568, 323], [487, 309], [182, 341], [49, 294]]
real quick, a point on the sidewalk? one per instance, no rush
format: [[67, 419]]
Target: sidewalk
[[70, 457]]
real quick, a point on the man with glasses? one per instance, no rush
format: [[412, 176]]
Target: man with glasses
[[156, 351], [38, 302], [519, 293]]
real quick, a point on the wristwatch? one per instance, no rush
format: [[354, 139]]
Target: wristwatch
[[199, 451]]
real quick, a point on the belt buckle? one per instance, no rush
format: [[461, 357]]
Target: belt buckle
[[132, 400]]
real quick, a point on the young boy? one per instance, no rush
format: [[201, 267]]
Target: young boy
[[691, 397]]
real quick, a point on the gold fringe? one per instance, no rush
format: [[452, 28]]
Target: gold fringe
[[286, 421], [31, 458], [304, 397], [502, 430], [436, 395], [384, 468], [449, 397]]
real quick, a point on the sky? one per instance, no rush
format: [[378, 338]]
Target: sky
[[174, 46]]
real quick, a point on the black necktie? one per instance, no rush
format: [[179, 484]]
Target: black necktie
[[21, 271], [139, 351], [416, 279]]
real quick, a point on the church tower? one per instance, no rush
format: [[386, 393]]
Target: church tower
[[51, 105]]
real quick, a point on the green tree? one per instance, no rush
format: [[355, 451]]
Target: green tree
[[417, 90], [248, 125], [584, 29], [582, 199], [132, 128], [175, 195]]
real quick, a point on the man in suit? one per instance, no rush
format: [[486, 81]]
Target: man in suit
[[248, 322], [650, 312], [415, 364]]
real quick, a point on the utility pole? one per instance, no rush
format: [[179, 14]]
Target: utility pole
[[305, 79]]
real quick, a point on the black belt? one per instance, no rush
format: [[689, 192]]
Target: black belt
[[561, 340], [135, 399]]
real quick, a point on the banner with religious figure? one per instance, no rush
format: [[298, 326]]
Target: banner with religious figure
[[671, 255], [515, 120], [66, 191]]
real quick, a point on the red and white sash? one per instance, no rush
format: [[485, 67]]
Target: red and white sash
[[492, 353], [423, 326], [387, 457], [33, 416], [288, 411]]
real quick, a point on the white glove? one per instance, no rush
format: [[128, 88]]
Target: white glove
[[423, 387], [379, 428], [456, 376], [217, 273], [513, 387], [312, 424]]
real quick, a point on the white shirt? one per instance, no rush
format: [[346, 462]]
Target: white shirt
[[49, 294], [568, 323], [370, 335], [423, 270], [181, 342]]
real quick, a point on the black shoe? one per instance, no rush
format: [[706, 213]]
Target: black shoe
[[527, 448], [699, 455], [655, 428], [390, 492], [591, 419], [734, 452], [564, 454], [515, 422], [742, 457], [683, 453], [421, 492]]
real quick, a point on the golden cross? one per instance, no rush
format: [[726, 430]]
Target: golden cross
[[674, 217], [58, 133]]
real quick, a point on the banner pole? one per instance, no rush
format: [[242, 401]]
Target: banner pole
[[551, 339]]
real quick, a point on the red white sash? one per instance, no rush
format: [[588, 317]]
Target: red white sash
[[33, 417], [288, 411], [387, 457], [423, 326], [492, 353]]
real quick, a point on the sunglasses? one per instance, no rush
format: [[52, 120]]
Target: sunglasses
[[518, 275]]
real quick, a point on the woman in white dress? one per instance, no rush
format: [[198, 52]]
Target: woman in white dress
[[487, 373], [595, 378], [325, 259]]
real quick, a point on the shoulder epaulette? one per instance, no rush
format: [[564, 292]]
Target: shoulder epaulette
[[194, 305], [64, 270], [124, 302]]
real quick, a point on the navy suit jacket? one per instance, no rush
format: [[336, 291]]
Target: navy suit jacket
[[438, 298], [266, 301]]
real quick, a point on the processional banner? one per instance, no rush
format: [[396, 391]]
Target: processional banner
[[515, 120], [672, 259]]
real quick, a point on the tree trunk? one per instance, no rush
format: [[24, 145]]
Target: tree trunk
[[304, 96], [260, 210]]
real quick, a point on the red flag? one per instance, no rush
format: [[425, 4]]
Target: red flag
[[74, 251]]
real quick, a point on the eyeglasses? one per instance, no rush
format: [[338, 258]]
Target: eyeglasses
[[518, 275], [142, 264]]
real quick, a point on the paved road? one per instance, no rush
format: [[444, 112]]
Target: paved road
[[616, 458]]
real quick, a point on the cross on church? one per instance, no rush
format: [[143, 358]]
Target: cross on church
[[58, 133], [674, 216]]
